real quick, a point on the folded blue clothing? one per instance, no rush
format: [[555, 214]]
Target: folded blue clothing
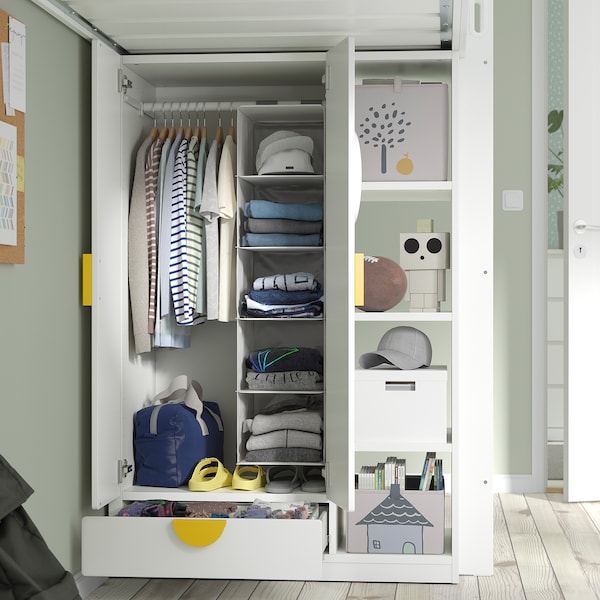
[[285, 358], [283, 297], [281, 239], [265, 209]]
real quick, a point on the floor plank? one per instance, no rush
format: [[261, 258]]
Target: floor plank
[[238, 590], [505, 582], [321, 590], [582, 535], [568, 571], [537, 577], [205, 589], [117, 589], [373, 591], [277, 590], [163, 589]]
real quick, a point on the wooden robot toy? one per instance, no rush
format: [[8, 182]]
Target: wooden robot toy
[[425, 257]]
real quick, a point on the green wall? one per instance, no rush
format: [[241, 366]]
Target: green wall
[[512, 238], [45, 350], [45, 333]]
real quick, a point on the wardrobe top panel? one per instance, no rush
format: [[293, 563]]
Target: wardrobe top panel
[[252, 69], [173, 26]]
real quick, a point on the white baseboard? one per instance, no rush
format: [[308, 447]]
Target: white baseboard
[[86, 585], [518, 484]]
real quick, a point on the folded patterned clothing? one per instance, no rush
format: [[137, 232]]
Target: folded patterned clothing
[[281, 239], [262, 510], [286, 358], [286, 455], [211, 510], [265, 209], [288, 282], [285, 438], [282, 297], [309, 309], [153, 508], [310, 312], [282, 226], [301, 420], [285, 380]]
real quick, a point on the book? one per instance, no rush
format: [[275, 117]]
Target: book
[[438, 475], [427, 472]]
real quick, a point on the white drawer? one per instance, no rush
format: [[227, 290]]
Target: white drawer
[[198, 548]]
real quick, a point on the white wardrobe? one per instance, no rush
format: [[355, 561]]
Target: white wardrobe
[[124, 86]]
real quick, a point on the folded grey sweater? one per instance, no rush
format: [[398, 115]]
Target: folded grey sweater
[[301, 420], [286, 438]]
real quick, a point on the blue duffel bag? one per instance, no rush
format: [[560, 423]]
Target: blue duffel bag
[[174, 433]]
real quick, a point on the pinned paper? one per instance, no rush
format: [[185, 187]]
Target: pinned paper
[[8, 184], [16, 38]]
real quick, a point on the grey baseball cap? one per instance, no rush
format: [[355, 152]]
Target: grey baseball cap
[[404, 347]]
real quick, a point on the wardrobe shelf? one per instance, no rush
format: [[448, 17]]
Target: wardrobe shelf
[[286, 180], [404, 316]]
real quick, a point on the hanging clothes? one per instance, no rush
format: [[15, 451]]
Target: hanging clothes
[[209, 209], [151, 184], [194, 228], [137, 259], [167, 333], [202, 158], [227, 213]]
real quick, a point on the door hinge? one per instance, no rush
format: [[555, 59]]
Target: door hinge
[[124, 83], [124, 469]]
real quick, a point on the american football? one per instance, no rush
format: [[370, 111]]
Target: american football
[[385, 284]]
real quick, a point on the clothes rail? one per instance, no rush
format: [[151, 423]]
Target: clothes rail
[[154, 109]]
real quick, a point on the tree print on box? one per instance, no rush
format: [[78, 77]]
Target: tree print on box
[[384, 128], [402, 129]]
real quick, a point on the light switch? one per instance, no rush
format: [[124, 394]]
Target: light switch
[[512, 200]]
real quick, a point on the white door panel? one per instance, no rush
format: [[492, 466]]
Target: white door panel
[[582, 254], [339, 274]]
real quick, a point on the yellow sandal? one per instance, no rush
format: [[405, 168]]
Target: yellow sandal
[[248, 477], [209, 474]]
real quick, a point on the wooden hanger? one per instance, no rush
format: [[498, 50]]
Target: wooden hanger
[[231, 127], [204, 132], [197, 131], [219, 133]]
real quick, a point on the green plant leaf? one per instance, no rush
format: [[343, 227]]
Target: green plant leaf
[[555, 120]]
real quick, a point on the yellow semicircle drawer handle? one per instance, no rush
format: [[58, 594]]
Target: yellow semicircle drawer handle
[[199, 532]]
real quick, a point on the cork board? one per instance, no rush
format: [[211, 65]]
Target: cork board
[[10, 253]]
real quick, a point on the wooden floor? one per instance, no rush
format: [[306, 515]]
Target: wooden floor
[[543, 549]]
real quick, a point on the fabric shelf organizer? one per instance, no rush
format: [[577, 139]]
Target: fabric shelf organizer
[[288, 429]]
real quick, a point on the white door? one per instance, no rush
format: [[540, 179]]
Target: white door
[[582, 254], [339, 274]]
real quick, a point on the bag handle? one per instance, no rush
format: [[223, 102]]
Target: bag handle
[[183, 391]]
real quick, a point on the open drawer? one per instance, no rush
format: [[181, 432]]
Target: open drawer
[[197, 548]]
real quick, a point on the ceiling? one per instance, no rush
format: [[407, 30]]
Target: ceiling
[[185, 26]]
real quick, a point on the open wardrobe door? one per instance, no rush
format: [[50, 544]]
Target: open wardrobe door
[[339, 267]]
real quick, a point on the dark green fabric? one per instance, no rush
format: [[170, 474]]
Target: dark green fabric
[[28, 569]]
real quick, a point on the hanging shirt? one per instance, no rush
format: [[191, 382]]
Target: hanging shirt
[[227, 213], [195, 225], [201, 294], [151, 179], [138, 253], [209, 210], [167, 334]]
